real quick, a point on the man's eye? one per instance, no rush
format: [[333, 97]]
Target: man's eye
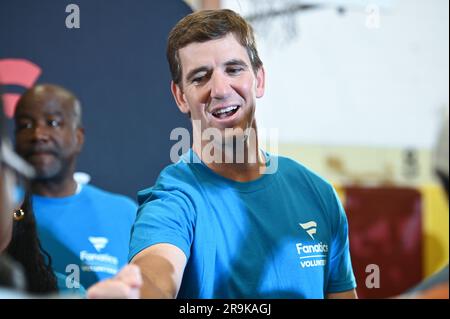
[[54, 123], [198, 79], [24, 125], [235, 70]]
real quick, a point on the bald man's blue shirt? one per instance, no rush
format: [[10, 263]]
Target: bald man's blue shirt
[[284, 235], [87, 235]]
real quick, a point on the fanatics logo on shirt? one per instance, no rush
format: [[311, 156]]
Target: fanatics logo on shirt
[[310, 227], [311, 255], [99, 243], [92, 262]]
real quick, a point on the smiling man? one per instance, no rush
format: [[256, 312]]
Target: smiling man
[[219, 223], [85, 230]]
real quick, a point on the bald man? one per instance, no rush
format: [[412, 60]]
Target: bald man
[[85, 230]]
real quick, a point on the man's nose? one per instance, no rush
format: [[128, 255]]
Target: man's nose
[[40, 133], [220, 86]]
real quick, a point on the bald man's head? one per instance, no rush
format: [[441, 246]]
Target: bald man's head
[[51, 93], [48, 130]]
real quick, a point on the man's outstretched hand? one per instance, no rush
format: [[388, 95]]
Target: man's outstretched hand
[[125, 285]]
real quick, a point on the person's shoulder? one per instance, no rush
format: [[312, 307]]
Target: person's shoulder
[[300, 172], [110, 197], [178, 179], [179, 171], [176, 176]]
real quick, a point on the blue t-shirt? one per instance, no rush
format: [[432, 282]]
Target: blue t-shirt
[[68, 287], [284, 235], [87, 235]]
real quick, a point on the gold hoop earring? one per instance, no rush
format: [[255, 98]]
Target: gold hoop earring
[[18, 214]]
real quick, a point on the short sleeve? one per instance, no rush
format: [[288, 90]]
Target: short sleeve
[[341, 277], [165, 216]]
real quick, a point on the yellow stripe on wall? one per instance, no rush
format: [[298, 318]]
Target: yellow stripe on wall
[[435, 219]]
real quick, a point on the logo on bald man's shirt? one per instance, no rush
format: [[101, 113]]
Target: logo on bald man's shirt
[[92, 262], [311, 255], [99, 243]]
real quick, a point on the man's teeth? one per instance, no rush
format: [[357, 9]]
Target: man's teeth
[[226, 110]]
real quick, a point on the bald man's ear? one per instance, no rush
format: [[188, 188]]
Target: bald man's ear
[[79, 135]]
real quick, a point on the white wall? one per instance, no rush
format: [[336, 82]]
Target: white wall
[[342, 83]]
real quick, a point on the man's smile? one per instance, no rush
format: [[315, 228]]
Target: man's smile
[[225, 112]]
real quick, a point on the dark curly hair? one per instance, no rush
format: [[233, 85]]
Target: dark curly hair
[[26, 249]]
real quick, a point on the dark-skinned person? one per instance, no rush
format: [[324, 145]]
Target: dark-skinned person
[[85, 230], [25, 267]]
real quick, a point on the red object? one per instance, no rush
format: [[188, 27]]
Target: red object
[[385, 230], [16, 72]]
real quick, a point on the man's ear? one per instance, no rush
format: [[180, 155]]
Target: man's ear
[[79, 135], [179, 97], [260, 82]]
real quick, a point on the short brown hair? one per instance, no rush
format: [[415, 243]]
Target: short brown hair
[[208, 25]]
